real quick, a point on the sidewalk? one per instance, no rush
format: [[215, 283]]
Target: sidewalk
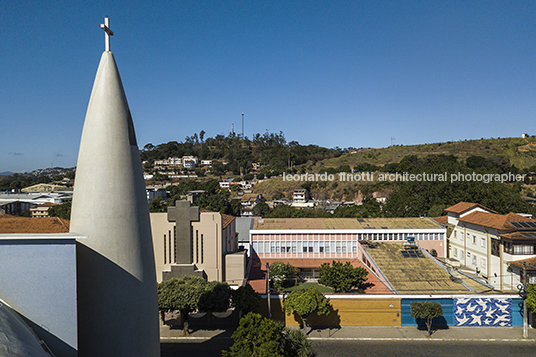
[[377, 333]]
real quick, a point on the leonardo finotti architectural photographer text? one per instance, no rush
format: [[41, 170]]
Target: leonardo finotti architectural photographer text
[[405, 177]]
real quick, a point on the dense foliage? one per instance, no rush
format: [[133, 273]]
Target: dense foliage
[[19, 181], [62, 210], [306, 302], [269, 149], [191, 294], [426, 310], [342, 277], [425, 198], [256, 336], [531, 297], [260, 337], [245, 299], [279, 272]]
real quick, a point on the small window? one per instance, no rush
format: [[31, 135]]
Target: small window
[[483, 262], [455, 252], [483, 242], [474, 239], [474, 260]]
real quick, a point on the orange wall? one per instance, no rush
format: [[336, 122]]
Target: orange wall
[[345, 312]]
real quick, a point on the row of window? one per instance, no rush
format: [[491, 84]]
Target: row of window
[[472, 238], [402, 236], [358, 236], [521, 249], [305, 247], [473, 257]]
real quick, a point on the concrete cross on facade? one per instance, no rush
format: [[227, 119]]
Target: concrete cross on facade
[[108, 33], [183, 215]]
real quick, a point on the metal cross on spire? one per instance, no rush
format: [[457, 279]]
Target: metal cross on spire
[[108, 33]]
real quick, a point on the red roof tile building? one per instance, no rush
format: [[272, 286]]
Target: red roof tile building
[[487, 242]]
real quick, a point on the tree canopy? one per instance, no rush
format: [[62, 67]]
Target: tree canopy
[[342, 277], [279, 272], [306, 302], [259, 336], [426, 310], [531, 297], [191, 294], [256, 336], [245, 299]]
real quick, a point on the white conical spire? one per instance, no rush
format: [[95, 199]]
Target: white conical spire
[[117, 298]]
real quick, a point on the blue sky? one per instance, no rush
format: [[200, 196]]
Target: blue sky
[[330, 73]]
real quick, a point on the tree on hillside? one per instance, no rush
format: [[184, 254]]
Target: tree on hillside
[[279, 272], [306, 302], [62, 210], [342, 277], [426, 310]]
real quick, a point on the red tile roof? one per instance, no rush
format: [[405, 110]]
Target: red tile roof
[[226, 219], [531, 263], [517, 236], [12, 224], [257, 277], [494, 220], [465, 206], [441, 219]]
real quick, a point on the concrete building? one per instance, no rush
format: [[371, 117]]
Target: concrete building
[[189, 241], [17, 203], [38, 281], [486, 242], [338, 238], [41, 210], [302, 199]]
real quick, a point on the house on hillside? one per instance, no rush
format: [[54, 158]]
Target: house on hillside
[[248, 202]]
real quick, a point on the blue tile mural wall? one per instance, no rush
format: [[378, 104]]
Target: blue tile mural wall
[[483, 312], [474, 312], [446, 320]]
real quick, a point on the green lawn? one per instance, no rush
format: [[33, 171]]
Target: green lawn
[[321, 288]]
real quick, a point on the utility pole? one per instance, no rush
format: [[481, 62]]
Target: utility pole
[[242, 126], [525, 314]]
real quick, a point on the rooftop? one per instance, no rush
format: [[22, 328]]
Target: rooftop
[[466, 206], [494, 220], [12, 224], [226, 219], [414, 275], [530, 263], [346, 223]]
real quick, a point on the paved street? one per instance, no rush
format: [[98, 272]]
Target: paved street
[[347, 348], [373, 341]]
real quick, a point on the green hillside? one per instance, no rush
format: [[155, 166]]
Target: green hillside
[[521, 152]]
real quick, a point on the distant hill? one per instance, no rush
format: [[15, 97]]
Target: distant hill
[[521, 152], [6, 173]]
